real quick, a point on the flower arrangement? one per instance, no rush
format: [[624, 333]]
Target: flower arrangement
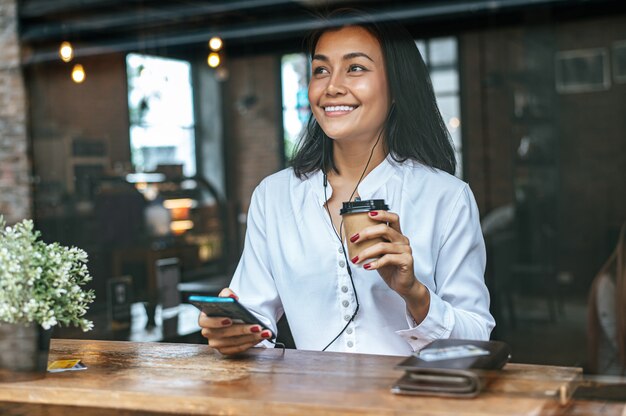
[[41, 282]]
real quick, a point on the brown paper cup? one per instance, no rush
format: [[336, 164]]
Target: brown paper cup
[[356, 218], [355, 223]]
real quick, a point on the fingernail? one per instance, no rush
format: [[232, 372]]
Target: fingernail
[[266, 334], [373, 213], [233, 296], [354, 238], [355, 259], [367, 266], [255, 329], [226, 322]]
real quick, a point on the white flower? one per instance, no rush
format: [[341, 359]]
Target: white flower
[[41, 282], [49, 323]]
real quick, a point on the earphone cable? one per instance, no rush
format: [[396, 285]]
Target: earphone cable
[[338, 234]]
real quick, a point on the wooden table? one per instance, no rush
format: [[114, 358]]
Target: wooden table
[[127, 378]]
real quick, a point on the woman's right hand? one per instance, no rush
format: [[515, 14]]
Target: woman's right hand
[[227, 337]]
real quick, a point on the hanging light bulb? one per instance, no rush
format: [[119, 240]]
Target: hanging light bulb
[[214, 59], [78, 73], [454, 122], [215, 43], [66, 51]]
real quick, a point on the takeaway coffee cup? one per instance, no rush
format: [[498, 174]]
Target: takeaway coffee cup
[[355, 218]]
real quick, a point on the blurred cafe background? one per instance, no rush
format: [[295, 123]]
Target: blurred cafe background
[[138, 129]]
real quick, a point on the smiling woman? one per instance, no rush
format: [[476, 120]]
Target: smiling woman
[[375, 134], [414, 128], [348, 90]]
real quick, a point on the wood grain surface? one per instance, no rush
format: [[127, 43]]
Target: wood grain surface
[[133, 377]]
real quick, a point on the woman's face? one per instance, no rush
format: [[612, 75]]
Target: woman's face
[[348, 92]]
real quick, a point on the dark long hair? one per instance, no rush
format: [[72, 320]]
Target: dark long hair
[[414, 128]]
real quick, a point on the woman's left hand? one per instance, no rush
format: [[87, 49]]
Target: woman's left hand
[[394, 261]]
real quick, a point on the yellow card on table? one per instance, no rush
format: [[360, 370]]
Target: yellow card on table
[[65, 365]]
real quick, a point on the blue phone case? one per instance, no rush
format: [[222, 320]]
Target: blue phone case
[[225, 307]]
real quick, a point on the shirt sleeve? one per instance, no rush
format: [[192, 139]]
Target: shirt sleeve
[[253, 281], [459, 304]]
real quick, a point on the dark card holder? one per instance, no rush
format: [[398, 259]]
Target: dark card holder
[[601, 391], [458, 376]]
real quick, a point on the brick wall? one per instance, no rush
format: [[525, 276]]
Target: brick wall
[[252, 133], [587, 128], [96, 108], [593, 153], [15, 194]]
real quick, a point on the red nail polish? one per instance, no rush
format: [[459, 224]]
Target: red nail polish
[[373, 213], [354, 238], [226, 322], [266, 334], [255, 329], [233, 296], [367, 266], [355, 259]]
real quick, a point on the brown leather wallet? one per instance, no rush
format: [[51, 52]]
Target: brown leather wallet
[[451, 367]]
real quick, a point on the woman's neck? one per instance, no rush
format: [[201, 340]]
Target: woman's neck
[[352, 163], [351, 160]]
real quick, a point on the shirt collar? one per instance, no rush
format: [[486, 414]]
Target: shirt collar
[[378, 177], [316, 180]]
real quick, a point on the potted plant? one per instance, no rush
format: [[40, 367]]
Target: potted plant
[[40, 287]]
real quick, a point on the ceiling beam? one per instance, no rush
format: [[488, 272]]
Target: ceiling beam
[[135, 19], [401, 12], [42, 8]]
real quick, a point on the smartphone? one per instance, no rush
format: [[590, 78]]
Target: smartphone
[[225, 307]]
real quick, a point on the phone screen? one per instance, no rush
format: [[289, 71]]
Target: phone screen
[[225, 307]]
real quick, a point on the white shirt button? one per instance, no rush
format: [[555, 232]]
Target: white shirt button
[[342, 263], [345, 303], [349, 331], [344, 289], [350, 344], [340, 250], [346, 318]]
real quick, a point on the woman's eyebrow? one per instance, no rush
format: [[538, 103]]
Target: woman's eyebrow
[[353, 55], [346, 57]]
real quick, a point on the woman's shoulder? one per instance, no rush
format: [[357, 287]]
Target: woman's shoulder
[[284, 180], [439, 194], [432, 178], [278, 177]]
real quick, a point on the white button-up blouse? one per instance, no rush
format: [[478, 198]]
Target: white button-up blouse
[[293, 263]]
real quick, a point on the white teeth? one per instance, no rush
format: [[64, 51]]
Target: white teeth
[[338, 108]]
